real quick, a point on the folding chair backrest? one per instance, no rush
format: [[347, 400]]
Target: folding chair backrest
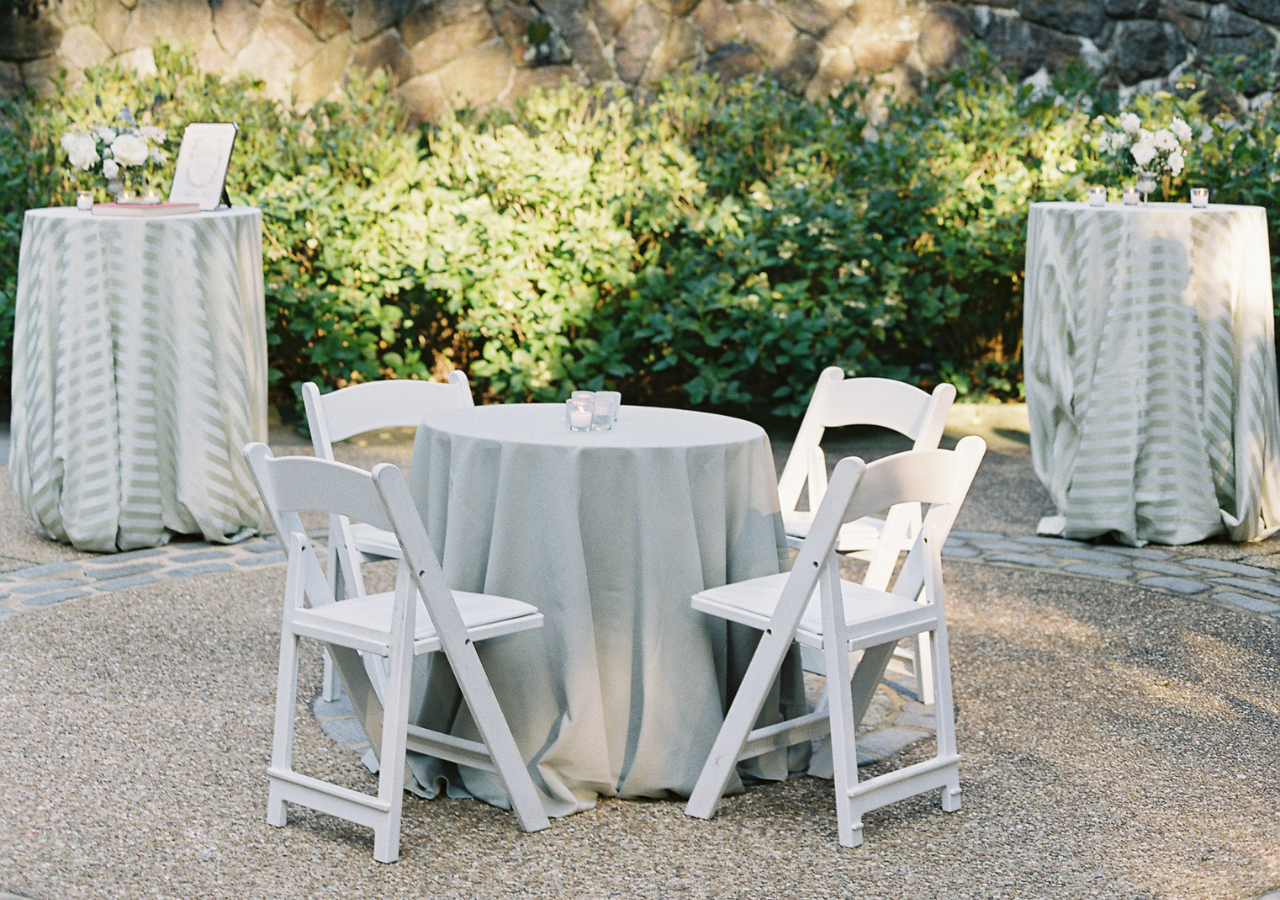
[[293, 484], [838, 401], [395, 403], [940, 479], [934, 477]]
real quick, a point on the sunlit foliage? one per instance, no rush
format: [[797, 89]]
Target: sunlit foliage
[[708, 245]]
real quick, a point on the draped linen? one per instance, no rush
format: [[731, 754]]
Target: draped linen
[[623, 690], [139, 374], [1150, 371]]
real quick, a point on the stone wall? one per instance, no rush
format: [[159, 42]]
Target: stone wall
[[443, 53]]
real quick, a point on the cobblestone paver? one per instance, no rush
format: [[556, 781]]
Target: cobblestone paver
[[1178, 570], [24, 586]]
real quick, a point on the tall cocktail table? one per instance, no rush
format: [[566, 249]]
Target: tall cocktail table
[[139, 374], [1150, 371]]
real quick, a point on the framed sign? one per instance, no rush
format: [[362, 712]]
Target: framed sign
[[200, 175]]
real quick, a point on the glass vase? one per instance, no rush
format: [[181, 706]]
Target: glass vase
[[1146, 184]]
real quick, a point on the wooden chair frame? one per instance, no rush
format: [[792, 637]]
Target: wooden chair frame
[[836, 402], [939, 478], [342, 414], [385, 626]]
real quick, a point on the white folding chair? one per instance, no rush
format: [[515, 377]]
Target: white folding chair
[[836, 402], [344, 413], [811, 605], [420, 616]]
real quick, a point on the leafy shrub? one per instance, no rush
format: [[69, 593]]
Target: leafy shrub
[[711, 245]]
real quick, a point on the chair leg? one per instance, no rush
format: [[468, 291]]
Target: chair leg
[[330, 687], [742, 715], [844, 751], [391, 759], [496, 734], [282, 739], [944, 714], [924, 669]]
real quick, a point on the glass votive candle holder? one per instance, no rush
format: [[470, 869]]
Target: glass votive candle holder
[[127, 196], [1097, 196], [578, 412], [151, 195], [84, 199], [1130, 195], [605, 410], [1199, 197]]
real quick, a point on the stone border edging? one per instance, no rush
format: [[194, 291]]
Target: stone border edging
[[1231, 584]]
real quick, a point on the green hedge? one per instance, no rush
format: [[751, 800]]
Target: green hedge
[[711, 245]]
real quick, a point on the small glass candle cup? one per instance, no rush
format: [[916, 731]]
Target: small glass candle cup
[[84, 199], [1199, 197], [1097, 196], [605, 410], [578, 413], [151, 195], [127, 196], [1130, 195]]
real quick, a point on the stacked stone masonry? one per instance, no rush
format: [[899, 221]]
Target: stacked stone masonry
[[451, 53]]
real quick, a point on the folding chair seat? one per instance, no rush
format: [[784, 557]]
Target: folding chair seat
[[420, 616], [836, 402], [342, 414], [813, 606]]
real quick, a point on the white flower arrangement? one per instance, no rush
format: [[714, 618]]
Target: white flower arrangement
[[116, 151], [1146, 152]]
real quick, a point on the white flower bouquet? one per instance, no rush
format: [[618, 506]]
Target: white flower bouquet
[[122, 153], [1142, 151]]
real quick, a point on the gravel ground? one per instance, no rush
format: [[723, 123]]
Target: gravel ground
[[1118, 742]]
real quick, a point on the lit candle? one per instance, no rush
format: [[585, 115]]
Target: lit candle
[[151, 195], [1199, 197], [1097, 196], [84, 200], [1130, 195], [579, 414]]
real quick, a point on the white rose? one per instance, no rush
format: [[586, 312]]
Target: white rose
[[158, 156], [1143, 152], [153, 134], [1130, 122], [1164, 140], [110, 168], [82, 149], [105, 134], [130, 150], [1181, 129], [1176, 162]]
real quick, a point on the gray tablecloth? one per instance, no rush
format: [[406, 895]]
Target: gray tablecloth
[[1150, 370], [139, 373], [609, 534]]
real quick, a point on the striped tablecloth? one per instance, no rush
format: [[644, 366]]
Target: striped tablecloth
[[139, 373], [1150, 371]]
